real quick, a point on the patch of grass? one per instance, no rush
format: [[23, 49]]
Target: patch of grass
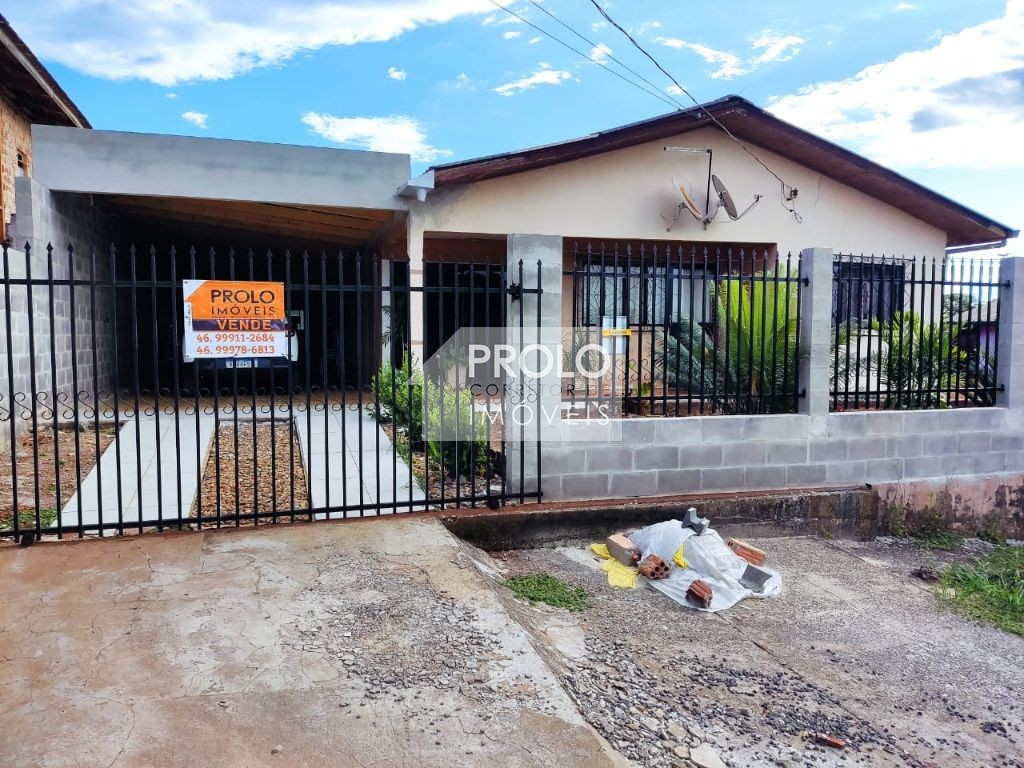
[[993, 528], [27, 518], [543, 588], [990, 589], [939, 539]]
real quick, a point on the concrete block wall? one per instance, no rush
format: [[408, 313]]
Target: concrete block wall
[[813, 448], [714, 454], [61, 219]]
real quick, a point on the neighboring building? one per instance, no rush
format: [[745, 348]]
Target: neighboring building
[[28, 95]]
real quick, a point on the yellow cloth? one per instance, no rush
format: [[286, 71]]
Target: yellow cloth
[[679, 559], [619, 575]]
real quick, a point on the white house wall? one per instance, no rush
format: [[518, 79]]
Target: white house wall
[[622, 194]]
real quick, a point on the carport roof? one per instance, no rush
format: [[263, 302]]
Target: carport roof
[[320, 223], [962, 225]]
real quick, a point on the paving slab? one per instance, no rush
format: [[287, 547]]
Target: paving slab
[[328, 644]]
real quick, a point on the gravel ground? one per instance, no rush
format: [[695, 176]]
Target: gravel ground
[[468, 487], [50, 470], [403, 637], [258, 484], [755, 684]]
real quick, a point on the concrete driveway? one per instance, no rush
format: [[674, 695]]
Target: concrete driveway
[[350, 644]]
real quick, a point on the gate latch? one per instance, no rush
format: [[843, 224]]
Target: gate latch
[[515, 291]]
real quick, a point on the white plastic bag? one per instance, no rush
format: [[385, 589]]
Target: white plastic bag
[[708, 558]]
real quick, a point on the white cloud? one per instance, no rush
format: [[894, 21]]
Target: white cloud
[[187, 40], [512, 34], [729, 64], [597, 26], [674, 90], [397, 74], [171, 95], [544, 75], [904, 7], [768, 47], [535, 40], [774, 47], [503, 17], [396, 133], [599, 53], [957, 103], [198, 119]]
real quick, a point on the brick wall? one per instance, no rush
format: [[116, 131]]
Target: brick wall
[[15, 137]]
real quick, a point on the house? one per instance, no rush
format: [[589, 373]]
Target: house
[[626, 234], [28, 95]]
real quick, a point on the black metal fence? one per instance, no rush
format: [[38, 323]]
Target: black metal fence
[[914, 332], [106, 428], [689, 332]]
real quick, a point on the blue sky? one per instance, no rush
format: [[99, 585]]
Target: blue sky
[[932, 88]]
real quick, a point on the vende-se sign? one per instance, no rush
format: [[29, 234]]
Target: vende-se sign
[[233, 319]]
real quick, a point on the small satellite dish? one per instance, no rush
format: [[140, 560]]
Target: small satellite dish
[[725, 197], [725, 201]]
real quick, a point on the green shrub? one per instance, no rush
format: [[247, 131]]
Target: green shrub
[[403, 401], [399, 393], [450, 410]]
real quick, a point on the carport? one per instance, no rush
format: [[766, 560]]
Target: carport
[[328, 223]]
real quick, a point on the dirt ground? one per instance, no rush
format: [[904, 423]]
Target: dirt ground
[[853, 648], [258, 485], [56, 465]]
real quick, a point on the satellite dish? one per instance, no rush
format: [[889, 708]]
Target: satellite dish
[[687, 200], [685, 204], [725, 197], [725, 201]]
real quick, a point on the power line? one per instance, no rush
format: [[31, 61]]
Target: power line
[[590, 42], [788, 191], [656, 92]]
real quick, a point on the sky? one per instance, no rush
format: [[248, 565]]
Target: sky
[[931, 88]]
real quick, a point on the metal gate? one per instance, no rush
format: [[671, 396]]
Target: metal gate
[[106, 428]]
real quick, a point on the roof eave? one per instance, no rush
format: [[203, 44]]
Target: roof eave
[[17, 47], [980, 228]]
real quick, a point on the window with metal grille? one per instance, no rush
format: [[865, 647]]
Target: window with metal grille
[[643, 297], [865, 291]]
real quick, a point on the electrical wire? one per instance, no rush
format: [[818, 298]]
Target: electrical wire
[[657, 93], [788, 191], [591, 43]]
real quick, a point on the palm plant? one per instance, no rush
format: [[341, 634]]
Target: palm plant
[[916, 364], [748, 363]]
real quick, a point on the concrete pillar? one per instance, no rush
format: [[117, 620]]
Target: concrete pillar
[[1010, 353], [417, 273], [815, 336], [540, 257]]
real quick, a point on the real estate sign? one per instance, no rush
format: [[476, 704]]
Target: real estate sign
[[234, 319]]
